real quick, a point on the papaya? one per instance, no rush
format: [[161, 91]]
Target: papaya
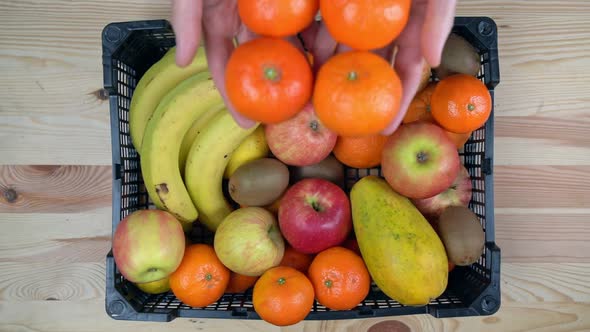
[[403, 253]]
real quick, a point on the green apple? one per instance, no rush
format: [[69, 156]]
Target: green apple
[[249, 241]]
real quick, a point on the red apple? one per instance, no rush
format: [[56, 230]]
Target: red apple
[[302, 140], [315, 215], [458, 194], [419, 160], [148, 245]]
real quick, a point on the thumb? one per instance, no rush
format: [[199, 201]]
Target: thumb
[[186, 22], [437, 26]]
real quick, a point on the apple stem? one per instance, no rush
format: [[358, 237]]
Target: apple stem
[[316, 206], [422, 157], [314, 125]]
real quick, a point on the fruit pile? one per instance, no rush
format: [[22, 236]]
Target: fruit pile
[[275, 194]]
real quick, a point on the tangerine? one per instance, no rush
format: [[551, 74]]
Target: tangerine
[[360, 152], [461, 103], [277, 18], [459, 139], [365, 25], [201, 278], [283, 296], [268, 80], [239, 283], [340, 278], [420, 107], [357, 93], [296, 259]]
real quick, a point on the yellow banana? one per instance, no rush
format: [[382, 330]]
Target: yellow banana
[[163, 136], [157, 81], [205, 165], [192, 133], [252, 148]]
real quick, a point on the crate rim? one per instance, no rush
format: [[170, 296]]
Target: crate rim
[[115, 34]]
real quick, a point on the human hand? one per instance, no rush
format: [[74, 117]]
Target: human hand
[[219, 23], [423, 37]]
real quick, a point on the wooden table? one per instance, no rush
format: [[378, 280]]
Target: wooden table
[[55, 173]]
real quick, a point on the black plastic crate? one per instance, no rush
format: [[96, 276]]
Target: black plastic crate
[[130, 48]]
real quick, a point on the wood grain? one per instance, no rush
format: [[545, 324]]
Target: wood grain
[[47, 281], [542, 186], [51, 316], [545, 282], [54, 188], [538, 140], [534, 236], [66, 281], [56, 237], [56, 228], [51, 64]]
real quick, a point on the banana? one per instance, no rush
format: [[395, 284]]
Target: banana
[[163, 136], [192, 133], [252, 148], [157, 81], [205, 165]]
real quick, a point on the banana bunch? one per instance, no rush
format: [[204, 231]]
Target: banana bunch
[[186, 137], [157, 82], [191, 100]]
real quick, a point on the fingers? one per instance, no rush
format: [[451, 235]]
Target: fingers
[[309, 34], [219, 49], [437, 26], [186, 22], [408, 65], [323, 47]]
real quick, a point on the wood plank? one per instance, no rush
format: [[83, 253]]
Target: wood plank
[[538, 140], [55, 139], [527, 235], [545, 282], [51, 63], [81, 188], [66, 316], [54, 188], [56, 237], [52, 75], [564, 132], [534, 236], [547, 83], [45, 196], [542, 186], [48, 281], [65, 281]]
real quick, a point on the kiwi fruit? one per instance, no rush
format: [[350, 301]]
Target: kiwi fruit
[[259, 182], [462, 235], [458, 56], [328, 169]]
